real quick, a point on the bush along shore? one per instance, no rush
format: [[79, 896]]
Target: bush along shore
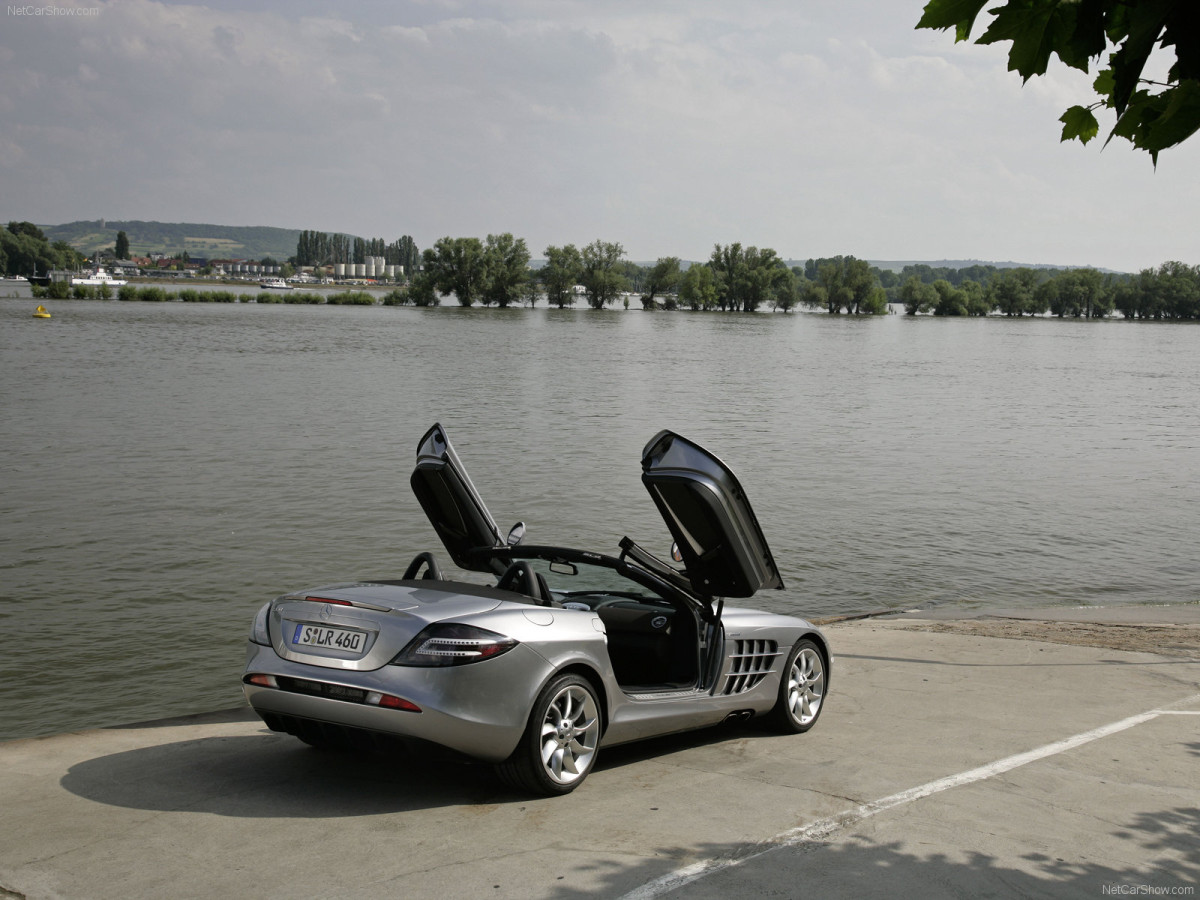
[[155, 294]]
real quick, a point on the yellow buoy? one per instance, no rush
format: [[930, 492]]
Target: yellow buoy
[[40, 313]]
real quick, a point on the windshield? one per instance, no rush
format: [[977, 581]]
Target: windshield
[[574, 579]]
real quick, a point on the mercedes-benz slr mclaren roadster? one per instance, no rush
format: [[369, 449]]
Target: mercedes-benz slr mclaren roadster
[[563, 652]]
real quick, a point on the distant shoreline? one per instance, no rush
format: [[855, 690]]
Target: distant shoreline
[[195, 291]]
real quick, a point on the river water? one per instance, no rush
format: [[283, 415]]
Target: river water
[[169, 467]]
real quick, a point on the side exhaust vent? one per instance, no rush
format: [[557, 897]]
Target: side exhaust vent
[[750, 663]]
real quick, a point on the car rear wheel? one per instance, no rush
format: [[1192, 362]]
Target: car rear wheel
[[560, 743], [801, 689]]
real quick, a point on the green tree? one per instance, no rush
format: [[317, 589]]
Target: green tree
[[728, 264], [950, 300], [121, 250], [788, 291], [505, 269], [1014, 292], [564, 266], [663, 278], [1176, 291], [1153, 115], [765, 279], [875, 303], [1076, 293], [698, 287], [25, 251], [917, 296], [748, 277], [403, 252], [456, 266], [422, 289], [847, 283], [978, 303], [635, 275], [27, 229], [600, 277], [887, 277], [531, 291]]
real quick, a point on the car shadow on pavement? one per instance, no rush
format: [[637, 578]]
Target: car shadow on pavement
[[269, 775], [274, 776]]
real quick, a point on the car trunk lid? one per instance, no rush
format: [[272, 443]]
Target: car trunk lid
[[363, 625]]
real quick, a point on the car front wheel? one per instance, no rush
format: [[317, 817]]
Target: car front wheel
[[801, 689], [560, 743]]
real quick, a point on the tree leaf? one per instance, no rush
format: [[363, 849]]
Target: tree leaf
[[1035, 27], [1087, 39], [1104, 85], [1079, 123], [957, 14], [1178, 121], [1182, 26], [1145, 21]]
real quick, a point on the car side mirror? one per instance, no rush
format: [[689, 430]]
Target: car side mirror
[[675, 554], [516, 535]]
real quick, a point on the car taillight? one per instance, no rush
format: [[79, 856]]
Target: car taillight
[[258, 631], [453, 645]]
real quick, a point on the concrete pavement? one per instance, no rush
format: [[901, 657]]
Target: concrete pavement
[[945, 764]]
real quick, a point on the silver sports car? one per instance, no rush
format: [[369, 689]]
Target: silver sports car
[[562, 652]]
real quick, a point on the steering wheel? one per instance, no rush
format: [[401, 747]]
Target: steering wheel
[[432, 571], [521, 578]]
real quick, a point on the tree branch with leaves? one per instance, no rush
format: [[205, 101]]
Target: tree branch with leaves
[[1153, 115]]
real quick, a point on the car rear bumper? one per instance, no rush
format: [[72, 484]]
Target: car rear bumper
[[479, 710]]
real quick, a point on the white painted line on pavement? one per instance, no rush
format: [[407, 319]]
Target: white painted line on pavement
[[823, 827]]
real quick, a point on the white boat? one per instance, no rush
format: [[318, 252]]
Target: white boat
[[277, 284], [100, 277]]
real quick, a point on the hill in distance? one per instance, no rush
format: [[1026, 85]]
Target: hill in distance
[[259, 241], [208, 241]]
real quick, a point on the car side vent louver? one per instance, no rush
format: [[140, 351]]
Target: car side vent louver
[[749, 664]]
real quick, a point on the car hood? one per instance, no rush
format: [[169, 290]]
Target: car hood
[[709, 517], [451, 503]]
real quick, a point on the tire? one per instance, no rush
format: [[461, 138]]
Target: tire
[[559, 746], [801, 689]]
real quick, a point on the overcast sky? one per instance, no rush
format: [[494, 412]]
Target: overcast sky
[[813, 127]]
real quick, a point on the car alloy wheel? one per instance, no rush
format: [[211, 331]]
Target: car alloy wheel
[[561, 740], [801, 689]]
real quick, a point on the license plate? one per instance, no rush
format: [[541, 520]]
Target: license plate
[[329, 638]]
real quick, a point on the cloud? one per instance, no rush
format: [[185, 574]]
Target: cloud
[[810, 128]]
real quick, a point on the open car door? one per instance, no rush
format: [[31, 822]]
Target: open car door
[[452, 504], [709, 517]]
